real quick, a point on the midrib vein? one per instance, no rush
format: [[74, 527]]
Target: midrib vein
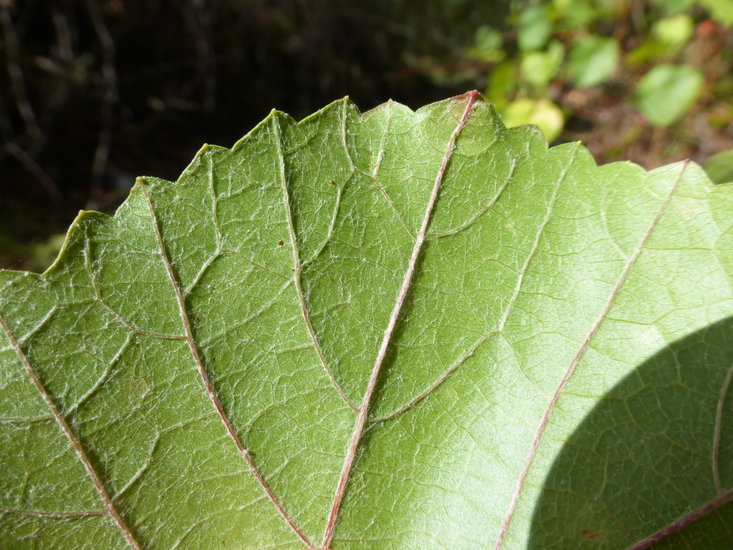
[[73, 440], [510, 304], [205, 377], [576, 359], [368, 394], [298, 268]]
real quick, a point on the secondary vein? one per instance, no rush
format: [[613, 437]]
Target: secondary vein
[[374, 176], [298, 268], [205, 377], [510, 305], [368, 394], [576, 359], [73, 439], [684, 521], [718, 429]]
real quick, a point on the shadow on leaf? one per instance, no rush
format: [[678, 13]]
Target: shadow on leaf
[[643, 458]]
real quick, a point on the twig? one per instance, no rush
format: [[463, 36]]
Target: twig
[[109, 78], [12, 59], [34, 168], [199, 23]]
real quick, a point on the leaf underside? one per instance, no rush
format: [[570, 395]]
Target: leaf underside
[[394, 329]]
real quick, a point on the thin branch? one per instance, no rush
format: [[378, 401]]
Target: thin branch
[[29, 163], [109, 79], [196, 15], [17, 81]]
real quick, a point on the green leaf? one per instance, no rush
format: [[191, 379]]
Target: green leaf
[[720, 10], [668, 36], [543, 113], [592, 60], [487, 45], [577, 14], [720, 167], [502, 83], [666, 93], [675, 6], [535, 27], [674, 32], [538, 68], [394, 329], [682, 381]]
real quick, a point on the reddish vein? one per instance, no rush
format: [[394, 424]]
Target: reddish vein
[[684, 521], [75, 443], [364, 410], [571, 368], [205, 377], [505, 316], [718, 429]]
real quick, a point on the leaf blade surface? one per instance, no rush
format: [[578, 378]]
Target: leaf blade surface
[[433, 296]]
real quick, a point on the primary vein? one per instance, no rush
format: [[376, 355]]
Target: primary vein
[[510, 305], [368, 394]]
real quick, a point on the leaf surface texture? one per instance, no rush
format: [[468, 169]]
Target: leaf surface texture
[[394, 329]]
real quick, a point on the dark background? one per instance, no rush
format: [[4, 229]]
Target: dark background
[[96, 92]]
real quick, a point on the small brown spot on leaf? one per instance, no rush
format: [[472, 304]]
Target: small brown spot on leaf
[[590, 535], [281, 243], [332, 182]]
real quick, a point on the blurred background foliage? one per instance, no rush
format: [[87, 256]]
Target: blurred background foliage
[[95, 92]]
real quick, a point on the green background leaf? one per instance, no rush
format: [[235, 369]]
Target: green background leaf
[[720, 167], [666, 92], [721, 10], [534, 27], [538, 68], [592, 60], [543, 113], [436, 318]]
